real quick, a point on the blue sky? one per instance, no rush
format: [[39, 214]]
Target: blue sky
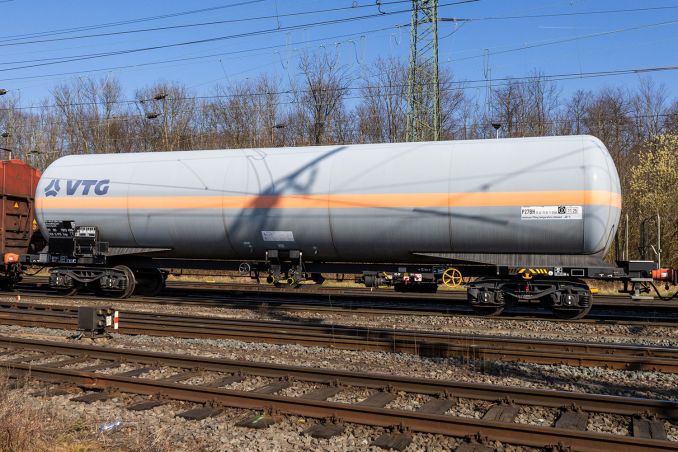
[[472, 50]]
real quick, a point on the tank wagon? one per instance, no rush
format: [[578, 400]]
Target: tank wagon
[[528, 218], [17, 223]]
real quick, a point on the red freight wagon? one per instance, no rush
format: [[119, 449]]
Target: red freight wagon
[[17, 192]]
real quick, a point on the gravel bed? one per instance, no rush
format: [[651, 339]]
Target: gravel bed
[[461, 324], [351, 394], [27, 356], [671, 430], [609, 423], [298, 388], [202, 379], [408, 401], [470, 408], [250, 383], [537, 415], [159, 373], [631, 383], [161, 426], [122, 368], [86, 363], [46, 360], [159, 429]]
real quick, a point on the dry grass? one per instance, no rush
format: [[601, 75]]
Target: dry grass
[[31, 424], [152, 440], [22, 426], [27, 424]]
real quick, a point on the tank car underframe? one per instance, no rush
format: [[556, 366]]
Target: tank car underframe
[[490, 288], [119, 281], [569, 299], [78, 260]]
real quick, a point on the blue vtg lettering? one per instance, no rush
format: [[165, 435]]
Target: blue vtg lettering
[[82, 187], [85, 185]]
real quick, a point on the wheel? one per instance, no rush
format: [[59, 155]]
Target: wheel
[[131, 282], [452, 277], [572, 301], [149, 283], [244, 268], [572, 313], [485, 298], [488, 311]]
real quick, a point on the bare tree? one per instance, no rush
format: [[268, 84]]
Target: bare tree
[[245, 114], [381, 114], [87, 109], [608, 116], [507, 107], [648, 107], [321, 94], [671, 119], [166, 115], [575, 114]]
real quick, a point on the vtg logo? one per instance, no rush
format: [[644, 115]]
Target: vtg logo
[[73, 186]]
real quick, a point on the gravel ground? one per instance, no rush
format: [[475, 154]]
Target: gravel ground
[[219, 433], [351, 394], [408, 401], [609, 423], [159, 429], [542, 416], [630, 383], [470, 408], [461, 324]]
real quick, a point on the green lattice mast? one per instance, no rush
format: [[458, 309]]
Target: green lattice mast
[[423, 85]]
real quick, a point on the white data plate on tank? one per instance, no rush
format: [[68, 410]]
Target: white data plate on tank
[[551, 213], [277, 236]]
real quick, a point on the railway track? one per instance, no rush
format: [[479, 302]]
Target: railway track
[[451, 295], [380, 302], [97, 370], [311, 290], [422, 343]]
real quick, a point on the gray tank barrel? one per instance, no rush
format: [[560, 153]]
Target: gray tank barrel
[[346, 203]]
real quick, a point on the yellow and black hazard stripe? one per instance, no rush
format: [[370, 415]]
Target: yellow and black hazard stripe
[[529, 273]]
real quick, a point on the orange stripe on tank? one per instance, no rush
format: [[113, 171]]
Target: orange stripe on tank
[[339, 201]]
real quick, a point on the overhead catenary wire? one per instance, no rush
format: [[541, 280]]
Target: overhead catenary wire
[[398, 26], [570, 14], [4, 42], [513, 80], [569, 39], [201, 57], [125, 22], [459, 85], [26, 64]]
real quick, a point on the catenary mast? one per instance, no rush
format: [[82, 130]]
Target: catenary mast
[[423, 84]]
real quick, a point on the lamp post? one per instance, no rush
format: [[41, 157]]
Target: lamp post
[[497, 126], [277, 127], [8, 151], [34, 154], [6, 135]]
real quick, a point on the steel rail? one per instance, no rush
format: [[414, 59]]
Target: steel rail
[[548, 398], [455, 295], [422, 343], [455, 299], [512, 433]]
